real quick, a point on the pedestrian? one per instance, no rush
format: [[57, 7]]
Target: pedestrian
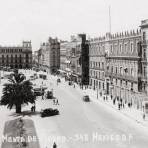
[[57, 102], [32, 109], [119, 106], [54, 145], [143, 116], [53, 101]]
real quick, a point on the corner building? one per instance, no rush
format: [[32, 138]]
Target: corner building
[[16, 56], [125, 58]]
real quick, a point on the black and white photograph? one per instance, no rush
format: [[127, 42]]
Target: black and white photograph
[[73, 74]]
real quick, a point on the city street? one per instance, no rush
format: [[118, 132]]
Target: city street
[[85, 124], [81, 124]]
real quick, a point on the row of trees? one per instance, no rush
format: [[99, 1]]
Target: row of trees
[[17, 91]]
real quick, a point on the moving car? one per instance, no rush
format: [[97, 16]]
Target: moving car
[[38, 91], [86, 98], [58, 80], [49, 112], [49, 94]]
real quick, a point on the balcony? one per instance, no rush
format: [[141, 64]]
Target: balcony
[[122, 77]]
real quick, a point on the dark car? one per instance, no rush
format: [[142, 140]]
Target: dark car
[[70, 83], [49, 94], [59, 80], [38, 91], [49, 112], [86, 98]]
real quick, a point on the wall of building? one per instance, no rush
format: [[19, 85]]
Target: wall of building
[[17, 57]]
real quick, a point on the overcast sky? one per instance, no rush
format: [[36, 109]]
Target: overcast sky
[[36, 20]]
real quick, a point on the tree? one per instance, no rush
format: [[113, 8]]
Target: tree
[[17, 91]]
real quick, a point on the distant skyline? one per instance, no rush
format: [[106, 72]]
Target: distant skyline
[[36, 20]]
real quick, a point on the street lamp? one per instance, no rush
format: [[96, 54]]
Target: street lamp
[[97, 91]]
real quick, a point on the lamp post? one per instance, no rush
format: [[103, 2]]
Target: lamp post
[[97, 91], [0, 76]]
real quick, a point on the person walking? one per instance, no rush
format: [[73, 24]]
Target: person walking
[[53, 101], [143, 116], [57, 103], [54, 145], [34, 108]]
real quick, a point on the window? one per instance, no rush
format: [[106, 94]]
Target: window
[[131, 71], [99, 85], [120, 70], [120, 82], [144, 36], [116, 81], [102, 65], [111, 48], [112, 69], [103, 85], [144, 71], [120, 48], [125, 47], [131, 85], [144, 53], [144, 87], [116, 70], [131, 47], [126, 83]]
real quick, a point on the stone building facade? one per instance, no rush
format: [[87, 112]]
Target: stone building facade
[[49, 55], [97, 63], [17, 56], [75, 59], [125, 58]]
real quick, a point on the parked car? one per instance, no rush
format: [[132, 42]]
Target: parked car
[[86, 98], [49, 112]]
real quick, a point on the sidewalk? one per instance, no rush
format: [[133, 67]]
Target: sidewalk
[[132, 113]]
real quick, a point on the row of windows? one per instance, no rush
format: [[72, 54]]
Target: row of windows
[[12, 56], [122, 47], [121, 70], [96, 64], [97, 83], [121, 83], [97, 74], [10, 50], [97, 50]]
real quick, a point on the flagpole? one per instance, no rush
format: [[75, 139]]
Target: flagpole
[[109, 19]]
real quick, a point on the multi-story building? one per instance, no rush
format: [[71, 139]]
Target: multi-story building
[[49, 55], [97, 63], [35, 59], [75, 59], [125, 58], [16, 56], [122, 66], [64, 64]]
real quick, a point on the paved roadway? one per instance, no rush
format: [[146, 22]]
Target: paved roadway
[[91, 125]]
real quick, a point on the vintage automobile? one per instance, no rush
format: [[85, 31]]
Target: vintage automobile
[[58, 80], [38, 91], [49, 112], [49, 94], [86, 98], [70, 83]]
